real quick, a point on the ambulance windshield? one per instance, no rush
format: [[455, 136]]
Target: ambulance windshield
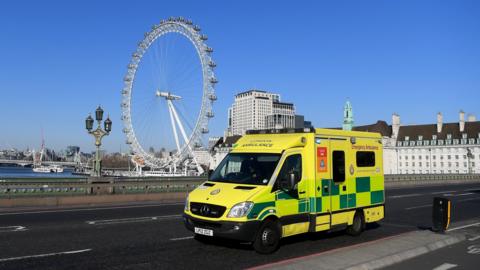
[[246, 168]]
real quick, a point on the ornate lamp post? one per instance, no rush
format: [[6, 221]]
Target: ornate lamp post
[[98, 134]]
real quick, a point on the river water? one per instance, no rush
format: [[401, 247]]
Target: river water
[[22, 172]]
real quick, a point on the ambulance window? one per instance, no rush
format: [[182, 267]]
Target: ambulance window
[[365, 159], [293, 164], [338, 164]]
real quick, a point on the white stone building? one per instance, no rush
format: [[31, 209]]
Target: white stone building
[[441, 148], [257, 109]]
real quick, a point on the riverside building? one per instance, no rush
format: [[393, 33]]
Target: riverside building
[[257, 109], [439, 148]]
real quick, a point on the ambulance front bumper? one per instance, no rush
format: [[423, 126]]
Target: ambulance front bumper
[[241, 231]]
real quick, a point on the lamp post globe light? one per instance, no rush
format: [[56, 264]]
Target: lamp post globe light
[[98, 133]]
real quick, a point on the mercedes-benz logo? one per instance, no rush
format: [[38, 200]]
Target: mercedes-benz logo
[[204, 210]]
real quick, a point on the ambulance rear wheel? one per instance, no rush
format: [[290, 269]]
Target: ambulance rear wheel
[[268, 238], [358, 225]]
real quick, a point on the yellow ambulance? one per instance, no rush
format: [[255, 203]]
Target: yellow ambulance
[[279, 183]]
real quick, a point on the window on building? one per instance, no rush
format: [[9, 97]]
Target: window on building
[[449, 157], [449, 136], [413, 157], [464, 156], [338, 164], [464, 135], [365, 159], [434, 164], [420, 137], [400, 164], [420, 157], [406, 163], [428, 164], [456, 156], [449, 164], [426, 157], [434, 137], [457, 164], [434, 157], [408, 138], [465, 164], [413, 164], [420, 164]]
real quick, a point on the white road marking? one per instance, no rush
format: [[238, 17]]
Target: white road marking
[[443, 192], [465, 194], [445, 266], [467, 200], [181, 238], [457, 195], [13, 229], [473, 249], [45, 255], [474, 238], [404, 196], [131, 220], [463, 227], [418, 206], [87, 209]]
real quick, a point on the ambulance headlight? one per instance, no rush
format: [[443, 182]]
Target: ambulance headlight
[[240, 210], [187, 205]]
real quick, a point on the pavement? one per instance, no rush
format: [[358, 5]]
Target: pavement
[[152, 236], [392, 250]]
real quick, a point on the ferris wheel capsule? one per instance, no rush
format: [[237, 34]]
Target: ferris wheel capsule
[[208, 49], [213, 80], [212, 64]]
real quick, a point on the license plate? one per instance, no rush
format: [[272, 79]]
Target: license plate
[[201, 231]]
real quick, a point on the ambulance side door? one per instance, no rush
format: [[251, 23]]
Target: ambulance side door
[[338, 186], [288, 203]]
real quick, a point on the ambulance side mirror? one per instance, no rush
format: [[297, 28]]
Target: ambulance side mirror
[[287, 184]]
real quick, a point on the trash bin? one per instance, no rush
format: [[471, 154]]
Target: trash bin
[[441, 214]]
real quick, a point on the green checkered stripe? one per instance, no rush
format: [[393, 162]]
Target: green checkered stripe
[[362, 195]]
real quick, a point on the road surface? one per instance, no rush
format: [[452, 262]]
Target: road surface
[[152, 236]]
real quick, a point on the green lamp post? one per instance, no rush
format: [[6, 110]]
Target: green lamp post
[[98, 133]]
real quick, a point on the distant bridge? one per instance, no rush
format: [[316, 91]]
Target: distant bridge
[[30, 162]]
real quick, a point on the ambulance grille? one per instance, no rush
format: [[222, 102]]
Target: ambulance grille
[[207, 210]]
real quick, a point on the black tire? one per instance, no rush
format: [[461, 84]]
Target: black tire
[[357, 226], [268, 237]]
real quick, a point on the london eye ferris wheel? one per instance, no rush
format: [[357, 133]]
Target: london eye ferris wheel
[[168, 94]]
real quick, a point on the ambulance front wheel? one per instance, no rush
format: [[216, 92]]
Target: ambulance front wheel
[[267, 239], [358, 225]]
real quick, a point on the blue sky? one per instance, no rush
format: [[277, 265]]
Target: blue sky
[[60, 59]]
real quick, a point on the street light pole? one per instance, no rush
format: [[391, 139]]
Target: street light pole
[[98, 133]]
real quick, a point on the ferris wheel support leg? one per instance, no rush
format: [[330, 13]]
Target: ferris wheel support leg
[[187, 142], [171, 110]]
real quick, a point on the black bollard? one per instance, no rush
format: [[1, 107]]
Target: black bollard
[[441, 214]]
